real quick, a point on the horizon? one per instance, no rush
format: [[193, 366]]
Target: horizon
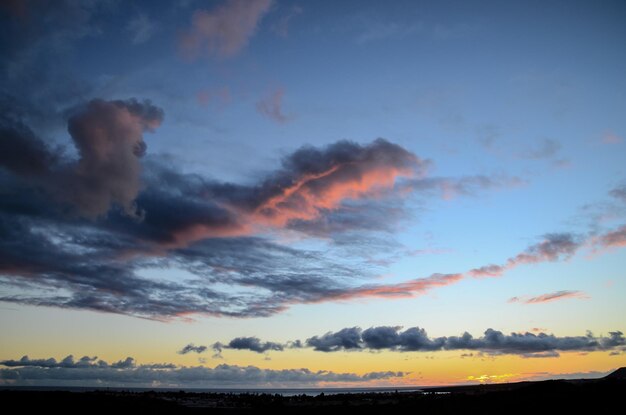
[[299, 195]]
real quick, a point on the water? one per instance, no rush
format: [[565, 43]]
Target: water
[[280, 391]]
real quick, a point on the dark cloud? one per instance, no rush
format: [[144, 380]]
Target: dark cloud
[[69, 363], [415, 339], [22, 152], [44, 36], [108, 136], [133, 219], [78, 230], [345, 339], [192, 348], [127, 373], [253, 344]]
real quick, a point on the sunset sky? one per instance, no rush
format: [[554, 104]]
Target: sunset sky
[[276, 193]]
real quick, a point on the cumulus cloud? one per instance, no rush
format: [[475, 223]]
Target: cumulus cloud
[[225, 30], [108, 136], [192, 348], [416, 339], [271, 107], [493, 341], [549, 297], [252, 344], [42, 372]]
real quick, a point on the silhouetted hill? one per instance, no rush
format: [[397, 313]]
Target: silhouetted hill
[[553, 396], [618, 374]]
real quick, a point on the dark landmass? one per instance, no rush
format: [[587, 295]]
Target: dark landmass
[[539, 397]]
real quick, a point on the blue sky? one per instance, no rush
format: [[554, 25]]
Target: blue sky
[[264, 205]]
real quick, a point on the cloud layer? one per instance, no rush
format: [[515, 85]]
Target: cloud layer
[[88, 225], [415, 339], [89, 372], [82, 229]]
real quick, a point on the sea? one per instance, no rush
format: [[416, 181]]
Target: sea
[[278, 391]]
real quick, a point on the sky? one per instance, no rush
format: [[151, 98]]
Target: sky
[[276, 193]]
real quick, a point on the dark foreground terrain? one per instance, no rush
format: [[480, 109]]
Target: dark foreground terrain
[[539, 397]]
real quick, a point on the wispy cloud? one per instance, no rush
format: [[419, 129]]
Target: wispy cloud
[[225, 30], [611, 138], [283, 23], [192, 348], [141, 29], [547, 148], [271, 106], [550, 297]]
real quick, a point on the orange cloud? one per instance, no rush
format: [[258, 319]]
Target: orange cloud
[[404, 289], [308, 197]]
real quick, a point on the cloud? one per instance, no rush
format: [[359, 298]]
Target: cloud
[[253, 344], [345, 339], [450, 187], [549, 297], [141, 29], [271, 107], [191, 348], [611, 138], [613, 239], [619, 193], [38, 372], [547, 149], [80, 230], [108, 136], [22, 152], [281, 27], [553, 247], [134, 216], [415, 339], [225, 30]]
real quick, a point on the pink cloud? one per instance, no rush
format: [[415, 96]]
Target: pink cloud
[[611, 138], [271, 107], [614, 239], [550, 297], [223, 31]]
